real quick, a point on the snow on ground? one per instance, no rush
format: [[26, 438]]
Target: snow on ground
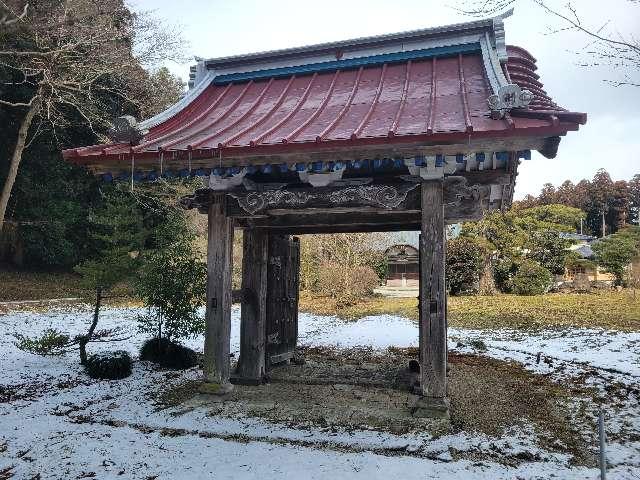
[[64, 425]]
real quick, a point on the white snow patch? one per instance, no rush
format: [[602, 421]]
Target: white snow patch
[[41, 438]]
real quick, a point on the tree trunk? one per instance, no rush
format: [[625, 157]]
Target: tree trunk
[[87, 338], [486, 283], [17, 157]]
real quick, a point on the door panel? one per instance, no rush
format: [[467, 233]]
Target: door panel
[[282, 299]]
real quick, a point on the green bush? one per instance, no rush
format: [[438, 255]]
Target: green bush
[[51, 342], [504, 269], [172, 283], [478, 344], [109, 365], [168, 354], [549, 249], [465, 258], [615, 252], [531, 279]]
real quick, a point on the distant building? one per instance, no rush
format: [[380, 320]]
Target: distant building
[[586, 268], [403, 266]]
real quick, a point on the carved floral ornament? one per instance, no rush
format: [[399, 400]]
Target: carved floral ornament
[[508, 97], [385, 196], [456, 192]]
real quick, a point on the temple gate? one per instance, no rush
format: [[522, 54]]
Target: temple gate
[[408, 131]]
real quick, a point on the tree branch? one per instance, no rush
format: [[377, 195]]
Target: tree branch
[[18, 17], [18, 104]]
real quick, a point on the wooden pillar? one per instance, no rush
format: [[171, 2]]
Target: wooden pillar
[[251, 363], [218, 308], [433, 322]]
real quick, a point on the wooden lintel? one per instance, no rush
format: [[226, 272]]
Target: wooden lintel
[[393, 194], [486, 177], [334, 211], [351, 228]]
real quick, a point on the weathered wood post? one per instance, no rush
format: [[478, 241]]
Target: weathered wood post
[[433, 322], [218, 309], [251, 363]]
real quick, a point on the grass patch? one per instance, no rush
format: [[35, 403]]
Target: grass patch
[[608, 309], [406, 307], [25, 286], [489, 395], [20, 286]]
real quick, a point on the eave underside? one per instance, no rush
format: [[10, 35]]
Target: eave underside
[[176, 163]]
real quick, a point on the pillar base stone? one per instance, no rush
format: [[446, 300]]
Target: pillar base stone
[[430, 407], [252, 382], [211, 388]]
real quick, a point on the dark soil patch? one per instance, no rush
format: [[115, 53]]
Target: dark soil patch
[[31, 391], [489, 395], [358, 388]]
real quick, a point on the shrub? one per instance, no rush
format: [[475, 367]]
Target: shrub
[[168, 354], [531, 279], [549, 249], [478, 344], [51, 342], [345, 252], [172, 284], [503, 272], [615, 252], [110, 365], [465, 259], [337, 281]]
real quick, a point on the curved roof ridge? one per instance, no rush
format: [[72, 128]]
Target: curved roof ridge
[[454, 28]]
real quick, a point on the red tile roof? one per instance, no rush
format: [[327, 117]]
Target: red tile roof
[[389, 102]]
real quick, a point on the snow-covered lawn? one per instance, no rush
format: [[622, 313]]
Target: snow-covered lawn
[[57, 422]]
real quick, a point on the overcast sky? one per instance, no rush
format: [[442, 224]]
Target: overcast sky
[[610, 139]]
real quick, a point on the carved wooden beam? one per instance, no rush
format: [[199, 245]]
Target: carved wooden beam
[[383, 196], [383, 204]]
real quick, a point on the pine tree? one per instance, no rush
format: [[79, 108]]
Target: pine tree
[[117, 228]]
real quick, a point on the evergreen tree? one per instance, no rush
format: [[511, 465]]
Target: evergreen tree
[[615, 252], [172, 283], [118, 232], [464, 261]]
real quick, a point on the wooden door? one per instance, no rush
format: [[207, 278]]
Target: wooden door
[[282, 299]]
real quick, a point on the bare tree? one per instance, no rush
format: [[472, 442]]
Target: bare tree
[[67, 63], [9, 18], [605, 43]]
